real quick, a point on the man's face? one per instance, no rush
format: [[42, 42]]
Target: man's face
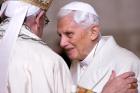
[[76, 41]]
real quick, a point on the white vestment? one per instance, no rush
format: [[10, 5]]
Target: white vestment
[[107, 57], [34, 67]]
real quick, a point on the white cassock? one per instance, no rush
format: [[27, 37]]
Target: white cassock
[[35, 68], [95, 70]]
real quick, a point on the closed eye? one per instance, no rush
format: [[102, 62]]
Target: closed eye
[[69, 34]]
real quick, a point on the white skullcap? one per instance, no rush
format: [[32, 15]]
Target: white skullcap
[[80, 6], [17, 11]]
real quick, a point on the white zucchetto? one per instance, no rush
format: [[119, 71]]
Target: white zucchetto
[[80, 6]]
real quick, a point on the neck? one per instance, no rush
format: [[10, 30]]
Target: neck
[[34, 29], [90, 48]]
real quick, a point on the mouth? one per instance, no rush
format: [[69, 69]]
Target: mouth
[[68, 50]]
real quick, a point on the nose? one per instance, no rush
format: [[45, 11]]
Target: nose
[[63, 41]]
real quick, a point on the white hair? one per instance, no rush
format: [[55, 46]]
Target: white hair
[[83, 13]]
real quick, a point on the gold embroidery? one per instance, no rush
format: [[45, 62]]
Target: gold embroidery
[[83, 90], [43, 4]]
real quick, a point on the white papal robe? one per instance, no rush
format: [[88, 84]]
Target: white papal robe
[[34, 67], [107, 57]]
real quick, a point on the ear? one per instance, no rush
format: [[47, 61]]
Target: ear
[[94, 32], [39, 18]]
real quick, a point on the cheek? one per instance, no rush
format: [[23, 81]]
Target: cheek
[[79, 43], [76, 40], [80, 46]]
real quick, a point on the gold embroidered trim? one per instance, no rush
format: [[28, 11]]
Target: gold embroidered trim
[[40, 3], [83, 90]]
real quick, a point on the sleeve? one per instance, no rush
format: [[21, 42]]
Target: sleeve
[[130, 64], [62, 77]]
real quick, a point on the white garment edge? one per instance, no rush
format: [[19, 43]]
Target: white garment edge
[[8, 42], [3, 7]]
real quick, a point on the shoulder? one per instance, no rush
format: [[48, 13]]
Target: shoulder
[[37, 50], [125, 60], [126, 55]]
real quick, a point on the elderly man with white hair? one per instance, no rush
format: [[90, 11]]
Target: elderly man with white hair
[[98, 62], [27, 65]]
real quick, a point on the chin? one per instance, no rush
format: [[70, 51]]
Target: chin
[[72, 57]]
